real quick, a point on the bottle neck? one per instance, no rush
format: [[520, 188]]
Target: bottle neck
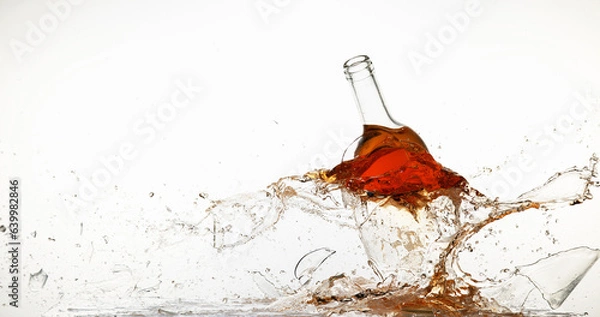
[[360, 73]]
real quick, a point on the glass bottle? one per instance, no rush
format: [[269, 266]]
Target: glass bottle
[[379, 128], [390, 159], [392, 174]]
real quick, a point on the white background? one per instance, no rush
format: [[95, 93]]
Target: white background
[[77, 78]]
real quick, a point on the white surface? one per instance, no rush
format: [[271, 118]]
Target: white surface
[[274, 101]]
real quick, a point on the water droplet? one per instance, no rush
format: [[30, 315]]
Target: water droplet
[[151, 194]]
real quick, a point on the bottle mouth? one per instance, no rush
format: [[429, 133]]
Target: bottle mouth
[[358, 67]]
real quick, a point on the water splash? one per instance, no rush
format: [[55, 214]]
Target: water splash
[[263, 254], [415, 253]]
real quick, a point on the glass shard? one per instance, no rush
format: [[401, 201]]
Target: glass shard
[[310, 262], [557, 275], [37, 280]]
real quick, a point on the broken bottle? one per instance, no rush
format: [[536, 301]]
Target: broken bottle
[[416, 217]]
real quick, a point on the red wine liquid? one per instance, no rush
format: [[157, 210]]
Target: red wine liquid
[[394, 163]]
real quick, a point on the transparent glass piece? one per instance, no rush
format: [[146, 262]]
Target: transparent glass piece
[[557, 275], [265, 285], [38, 280], [310, 262], [360, 73]]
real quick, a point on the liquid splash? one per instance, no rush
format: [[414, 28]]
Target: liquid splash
[[414, 250], [333, 242], [292, 249]]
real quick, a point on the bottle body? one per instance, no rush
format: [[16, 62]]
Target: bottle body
[[391, 161]]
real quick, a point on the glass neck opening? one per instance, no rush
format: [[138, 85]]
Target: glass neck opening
[[360, 73]]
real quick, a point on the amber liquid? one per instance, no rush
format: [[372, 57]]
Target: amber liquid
[[393, 163], [375, 137]]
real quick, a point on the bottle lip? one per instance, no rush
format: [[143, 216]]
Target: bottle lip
[[358, 67]]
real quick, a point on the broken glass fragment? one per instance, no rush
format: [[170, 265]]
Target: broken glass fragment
[[310, 262], [557, 275], [37, 280]]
